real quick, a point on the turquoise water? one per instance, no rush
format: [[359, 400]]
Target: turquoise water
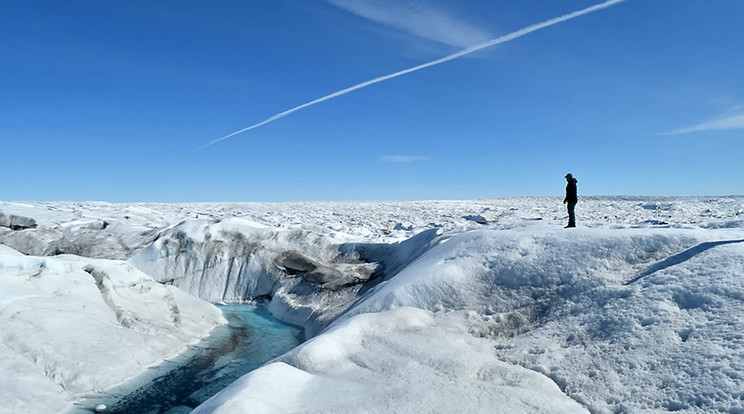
[[251, 338]]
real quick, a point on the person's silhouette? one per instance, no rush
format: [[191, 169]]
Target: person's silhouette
[[571, 199]]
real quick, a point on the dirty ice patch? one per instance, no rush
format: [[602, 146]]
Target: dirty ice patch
[[671, 340]]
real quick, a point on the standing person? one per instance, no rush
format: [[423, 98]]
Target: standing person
[[571, 199]]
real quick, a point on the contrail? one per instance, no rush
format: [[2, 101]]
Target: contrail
[[467, 51]]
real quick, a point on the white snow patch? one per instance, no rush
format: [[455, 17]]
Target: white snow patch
[[405, 360], [72, 326]]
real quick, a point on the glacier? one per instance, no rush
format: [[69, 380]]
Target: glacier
[[428, 306]]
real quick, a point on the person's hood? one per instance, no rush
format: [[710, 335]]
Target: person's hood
[[574, 180]]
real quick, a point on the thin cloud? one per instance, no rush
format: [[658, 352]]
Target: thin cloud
[[472, 49], [733, 119], [417, 18], [403, 158]]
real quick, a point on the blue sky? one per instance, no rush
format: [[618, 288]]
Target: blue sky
[[118, 100]]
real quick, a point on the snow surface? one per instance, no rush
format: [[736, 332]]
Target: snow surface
[[449, 306], [71, 326]]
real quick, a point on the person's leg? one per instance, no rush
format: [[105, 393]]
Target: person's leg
[[571, 214]]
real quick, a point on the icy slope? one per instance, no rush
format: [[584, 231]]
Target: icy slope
[[623, 320], [71, 326], [404, 360]]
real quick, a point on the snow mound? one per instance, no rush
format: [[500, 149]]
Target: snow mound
[[398, 361], [72, 326]]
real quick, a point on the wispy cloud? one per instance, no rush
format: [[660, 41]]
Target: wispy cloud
[[417, 18], [403, 158], [733, 119], [472, 49]]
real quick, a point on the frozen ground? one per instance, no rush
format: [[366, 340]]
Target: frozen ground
[[449, 306]]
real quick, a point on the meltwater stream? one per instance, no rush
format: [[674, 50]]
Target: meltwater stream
[[251, 338]]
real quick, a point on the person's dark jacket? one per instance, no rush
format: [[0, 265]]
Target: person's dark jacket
[[571, 196]]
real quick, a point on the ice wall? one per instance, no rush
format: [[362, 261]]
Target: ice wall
[[301, 272]]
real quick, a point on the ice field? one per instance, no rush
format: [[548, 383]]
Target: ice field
[[428, 306]]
